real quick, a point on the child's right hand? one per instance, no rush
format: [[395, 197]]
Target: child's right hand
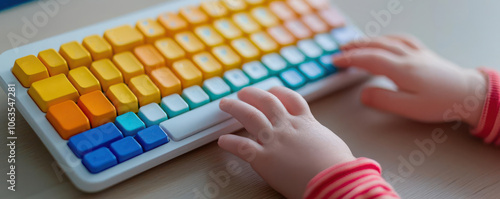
[[428, 85]]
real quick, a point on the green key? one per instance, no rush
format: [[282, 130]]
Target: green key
[[275, 63]]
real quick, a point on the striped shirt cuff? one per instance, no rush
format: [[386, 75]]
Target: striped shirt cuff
[[360, 179], [488, 127]]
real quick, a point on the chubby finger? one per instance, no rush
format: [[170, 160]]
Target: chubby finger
[[265, 102], [375, 61], [252, 119], [393, 46], [397, 102], [243, 147], [294, 103], [408, 40]]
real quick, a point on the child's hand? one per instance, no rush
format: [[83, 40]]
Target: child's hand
[[290, 146], [428, 85]]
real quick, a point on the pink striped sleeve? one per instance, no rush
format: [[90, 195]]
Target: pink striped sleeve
[[488, 127], [360, 179]]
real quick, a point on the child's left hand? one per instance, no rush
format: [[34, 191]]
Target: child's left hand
[[291, 146]]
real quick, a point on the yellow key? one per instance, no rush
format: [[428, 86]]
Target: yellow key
[[208, 35], [214, 8], [187, 73], [193, 15], [264, 42], [166, 81], [189, 42], [54, 62], [235, 5], [208, 65], [245, 49], [128, 65], [227, 57], [75, 54], [29, 69], [122, 98], [151, 29], [98, 47], [106, 72], [170, 50], [123, 38], [246, 23], [255, 2], [264, 17], [227, 29], [83, 80], [173, 23], [145, 90], [52, 90]]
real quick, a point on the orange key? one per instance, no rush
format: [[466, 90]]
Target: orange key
[[332, 17], [299, 6], [166, 81], [151, 29], [68, 119], [170, 50], [172, 22], [193, 15], [282, 11], [281, 36], [214, 8], [98, 108], [149, 57], [189, 42], [315, 23], [298, 29]]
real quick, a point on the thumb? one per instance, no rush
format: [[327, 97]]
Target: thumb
[[243, 147], [397, 102]]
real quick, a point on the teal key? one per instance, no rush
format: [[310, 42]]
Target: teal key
[[327, 62], [216, 88], [292, 78], [310, 49], [256, 71], [236, 79], [326, 42], [152, 114], [195, 96], [174, 105], [129, 124], [274, 62], [312, 70], [292, 55]]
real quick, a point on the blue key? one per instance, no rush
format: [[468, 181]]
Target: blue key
[[327, 62], [94, 138], [236, 79], [345, 35], [292, 78], [174, 105], [125, 148], [256, 71], [312, 70], [310, 48], [292, 55], [99, 160], [326, 42], [129, 124], [274, 62], [216, 88], [151, 137], [195, 96]]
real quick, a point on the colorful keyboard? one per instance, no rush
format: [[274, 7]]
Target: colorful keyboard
[[116, 98]]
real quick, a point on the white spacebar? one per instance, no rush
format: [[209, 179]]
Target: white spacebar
[[199, 119]]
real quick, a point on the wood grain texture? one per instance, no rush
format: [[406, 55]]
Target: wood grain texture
[[461, 167]]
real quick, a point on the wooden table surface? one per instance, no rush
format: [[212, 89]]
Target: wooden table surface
[[459, 167]]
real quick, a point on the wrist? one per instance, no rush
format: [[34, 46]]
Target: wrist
[[476, 95]]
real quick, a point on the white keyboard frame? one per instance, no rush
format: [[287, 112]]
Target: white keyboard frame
[[72, 165]]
